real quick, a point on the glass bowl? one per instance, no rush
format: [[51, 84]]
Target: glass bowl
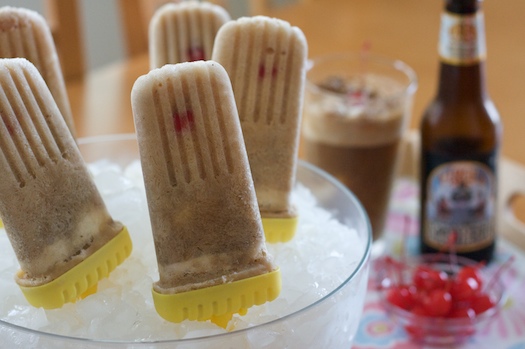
[[327, 319], [459, 323]]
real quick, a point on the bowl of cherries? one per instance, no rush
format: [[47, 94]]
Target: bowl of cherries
[[439, 299]]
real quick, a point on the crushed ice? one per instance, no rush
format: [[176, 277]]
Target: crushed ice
[[312, 265]]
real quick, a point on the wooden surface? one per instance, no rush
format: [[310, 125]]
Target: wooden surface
[[403, 29], [64, 18]]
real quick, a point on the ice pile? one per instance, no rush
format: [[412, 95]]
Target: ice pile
[[323, 254]]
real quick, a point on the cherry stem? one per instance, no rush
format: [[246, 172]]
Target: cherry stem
[[498, 273], [406, 225], [393, 268], [452, 239], [364, 57], [364, 54]]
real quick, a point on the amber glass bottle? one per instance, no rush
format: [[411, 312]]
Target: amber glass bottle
[[460, 137]]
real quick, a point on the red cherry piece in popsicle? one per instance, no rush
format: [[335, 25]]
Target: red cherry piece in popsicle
[[183, 121], [263, 73], [196, 54], [9, 125]]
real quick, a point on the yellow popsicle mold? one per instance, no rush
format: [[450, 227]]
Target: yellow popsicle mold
[[279, 229], [81, 281], [218, 303]]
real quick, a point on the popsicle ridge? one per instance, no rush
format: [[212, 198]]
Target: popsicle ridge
[[52, 211], [184, 32], [30, 137], [266, 60], [207, 231], [271, 49], [25, 33], [191, 153], [15, 23]]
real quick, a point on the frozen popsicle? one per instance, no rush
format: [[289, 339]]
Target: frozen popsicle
[[207, 229], [24, 33], [56, 221], [184, 32], [266, 61]]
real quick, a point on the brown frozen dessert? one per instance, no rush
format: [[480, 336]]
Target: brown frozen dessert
[[184, 32], [206, 225], [266, 61], [26, 34], [51, 209]]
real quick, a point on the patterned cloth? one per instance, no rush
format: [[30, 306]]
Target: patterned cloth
[[505, 331]]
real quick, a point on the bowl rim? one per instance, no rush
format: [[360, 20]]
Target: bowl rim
[[363, 262]]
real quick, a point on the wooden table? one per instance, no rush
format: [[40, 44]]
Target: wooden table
[[403, 29]]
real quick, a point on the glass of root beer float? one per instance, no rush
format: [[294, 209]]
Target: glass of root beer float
[[357, 107]]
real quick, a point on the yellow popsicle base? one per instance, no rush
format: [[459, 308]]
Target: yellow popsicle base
[[81, 281], [219, 303], [279, 229]]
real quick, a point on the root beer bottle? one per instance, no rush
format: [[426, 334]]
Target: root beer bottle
[[460, 135]]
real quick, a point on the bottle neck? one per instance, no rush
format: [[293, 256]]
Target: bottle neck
[[462, 83], [462, 52], [462, 6]]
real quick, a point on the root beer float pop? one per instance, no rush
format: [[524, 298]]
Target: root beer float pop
[[24, 33], [184, 32], [206, 226], [266, 61], [58, 225]]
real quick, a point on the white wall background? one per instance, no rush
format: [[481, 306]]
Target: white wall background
[[101, 28]]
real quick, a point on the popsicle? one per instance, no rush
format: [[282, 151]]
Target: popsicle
[[184, 32], [25, 33], [266, 61], [206, 225], [56, 221]]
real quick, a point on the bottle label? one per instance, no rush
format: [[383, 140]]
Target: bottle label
[[461, 198], [462, 38]]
